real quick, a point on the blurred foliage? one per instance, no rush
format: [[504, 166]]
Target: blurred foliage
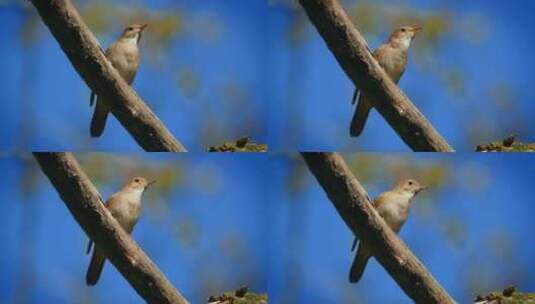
[[206, 178], [233, 94], [500, 245], [206, 26], [189, 80], [233, 247], [297, 30], [105, 168], [502, 95], [392, 168], [102, 17], [31, 174], [474, 28], [455, 231], [375, 19], [455, 82], [472, 176], [164, 25], [298, 174], [187, 231]]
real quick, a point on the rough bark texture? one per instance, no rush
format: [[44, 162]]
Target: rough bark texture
[[353, 55], [85, 54], [85, 204], [354, 206]]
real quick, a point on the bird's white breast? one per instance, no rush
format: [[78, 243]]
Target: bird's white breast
[[127, 212], [125, 58], [395, 211], [405, 43]]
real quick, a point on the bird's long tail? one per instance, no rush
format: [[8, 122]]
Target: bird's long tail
[[359, 263], [360, 116], [95, 267], [98, 122]]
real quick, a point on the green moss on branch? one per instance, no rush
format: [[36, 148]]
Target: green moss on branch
[[509, 144], [240, 296], [243, 144]]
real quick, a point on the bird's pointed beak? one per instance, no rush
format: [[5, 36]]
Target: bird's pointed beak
[[415, 29], [143, 26], [150, 183], [422, 188]]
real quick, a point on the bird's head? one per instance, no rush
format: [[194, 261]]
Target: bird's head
[[133, 32], [138, 183], [403, 35], [410, 186]]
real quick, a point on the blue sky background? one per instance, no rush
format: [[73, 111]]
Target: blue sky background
[[215, 222], [214, 71]]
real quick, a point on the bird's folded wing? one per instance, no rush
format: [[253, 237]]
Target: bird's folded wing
[[90, 242], [381, 199], [92, 98]]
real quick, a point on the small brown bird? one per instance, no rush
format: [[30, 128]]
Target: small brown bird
[[124, 56], [125, 207], [392, 57], [393, 206]]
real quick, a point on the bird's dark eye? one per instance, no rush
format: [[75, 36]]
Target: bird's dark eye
[[403, 29], [410, 183], [136, 180], [130, 28]]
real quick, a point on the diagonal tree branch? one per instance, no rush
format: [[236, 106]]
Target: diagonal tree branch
[[85, 54], [84, 203], [353, 204], [353, 55]]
